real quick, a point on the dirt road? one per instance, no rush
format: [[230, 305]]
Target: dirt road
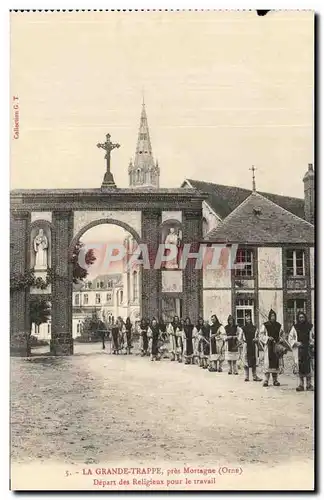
[[96, 408]]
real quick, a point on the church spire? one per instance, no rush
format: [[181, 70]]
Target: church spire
[[144, 172]]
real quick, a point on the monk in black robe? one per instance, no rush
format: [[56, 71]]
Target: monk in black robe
[[154, 335], [271, 334], [115, 338], [129, 328], [249, 338], [301, 340], [144, 340], [188, 341]]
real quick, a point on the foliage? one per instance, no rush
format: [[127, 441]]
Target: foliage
[[92, 324], [39, 310], [28, 279], [79, 273]]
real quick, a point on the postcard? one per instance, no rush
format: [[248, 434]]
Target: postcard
[[162, 211]]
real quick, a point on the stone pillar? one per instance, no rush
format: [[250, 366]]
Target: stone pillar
[[62, 340], [151, 220], [19, 264], [192, 278]]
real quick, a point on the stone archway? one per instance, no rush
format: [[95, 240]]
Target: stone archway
[[115, 222], [131, 303], [73, 211]]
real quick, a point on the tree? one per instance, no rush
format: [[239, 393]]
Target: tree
[[79, 273], [92, 324], [39, 310]]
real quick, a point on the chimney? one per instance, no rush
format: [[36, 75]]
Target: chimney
[[309, 193]]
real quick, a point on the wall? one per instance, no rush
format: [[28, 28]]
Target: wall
[[131, 217], [217, 302], [210, 216], [270, 267], [171, 214], [41, 216], [216, 278], [312, 266], [270, 299]]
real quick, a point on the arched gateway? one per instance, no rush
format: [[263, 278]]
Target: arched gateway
[[45, 224]]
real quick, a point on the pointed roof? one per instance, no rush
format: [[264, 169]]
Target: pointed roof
[[258, 220], [144, 155], [224, 199]]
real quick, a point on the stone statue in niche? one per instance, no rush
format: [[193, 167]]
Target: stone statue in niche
[[40, 247], [174, 237]]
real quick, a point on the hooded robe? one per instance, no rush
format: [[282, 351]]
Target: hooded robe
[[217, 336], [270, 334], [303, 354], [232, 341], [248, 336]]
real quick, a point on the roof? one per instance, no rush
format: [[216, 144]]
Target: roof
[[260, 221], [224, 199]]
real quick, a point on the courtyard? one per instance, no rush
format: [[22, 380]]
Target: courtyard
[[94, 408]]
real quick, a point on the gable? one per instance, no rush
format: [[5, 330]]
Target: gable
[[224, 199], [258, 221]]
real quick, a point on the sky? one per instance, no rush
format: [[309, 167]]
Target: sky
[[223, 91], [105, 239]]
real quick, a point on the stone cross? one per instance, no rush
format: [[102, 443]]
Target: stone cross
[[108, 146]]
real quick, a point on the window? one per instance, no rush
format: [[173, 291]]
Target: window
[[77, 299], [48, 327], [295, 263], [98, 299], [79, 327], [138, 174], [243, 307], [142, 136], [36, 328], [98, 284], [109, 298], [294, 306], [135, 286], [101, 284], [85, 299], [244, 258], [89, 285], [121, 296]]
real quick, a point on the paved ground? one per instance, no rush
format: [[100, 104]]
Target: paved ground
[[97, 408]]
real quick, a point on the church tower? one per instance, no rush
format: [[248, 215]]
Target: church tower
[[144, 172]]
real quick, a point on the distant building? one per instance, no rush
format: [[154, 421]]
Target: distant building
[[110, 295]]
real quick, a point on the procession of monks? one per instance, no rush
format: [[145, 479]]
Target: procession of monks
[[209, 344]]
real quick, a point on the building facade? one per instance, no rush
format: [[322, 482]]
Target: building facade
[[273, 266]]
